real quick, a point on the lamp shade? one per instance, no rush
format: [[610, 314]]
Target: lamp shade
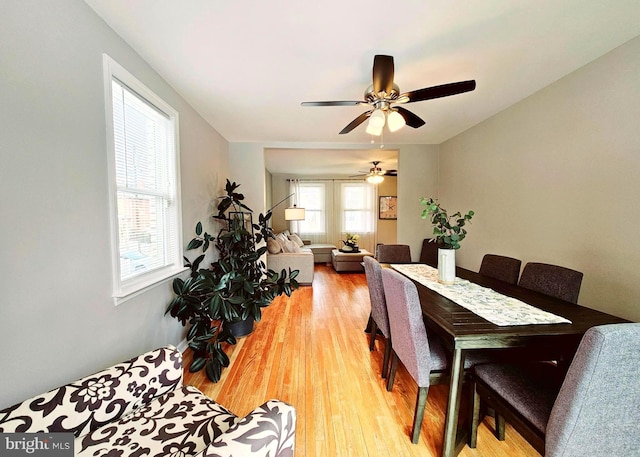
[[377, 119], [375, 131], [375, 179], [294, 214], [395, 121]]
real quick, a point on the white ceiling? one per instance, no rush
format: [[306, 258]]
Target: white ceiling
[[246, 65]]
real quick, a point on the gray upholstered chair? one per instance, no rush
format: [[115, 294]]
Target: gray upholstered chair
[[379, 318], [429, 252], [393, 253], [594, 410], [559, 282], [424, 358], [505, 269]]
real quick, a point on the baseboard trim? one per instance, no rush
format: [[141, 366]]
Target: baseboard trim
[[182, 345]]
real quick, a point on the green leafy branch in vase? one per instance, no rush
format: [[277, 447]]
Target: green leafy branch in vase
[[448, 230]]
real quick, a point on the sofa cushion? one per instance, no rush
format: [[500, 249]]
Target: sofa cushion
[[183, 423], [297, 239], [281, 238], [268, 430], [273, 246], [89, 403], [291, 246]]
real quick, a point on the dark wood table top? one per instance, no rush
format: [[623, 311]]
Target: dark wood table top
[[469, 331]]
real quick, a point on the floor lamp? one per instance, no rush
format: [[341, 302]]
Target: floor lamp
[[292, 213]]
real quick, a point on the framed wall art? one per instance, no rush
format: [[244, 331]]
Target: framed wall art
[[388, 207]]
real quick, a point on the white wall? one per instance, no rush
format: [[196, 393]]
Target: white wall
[[555, 178], [247, 169], [58, 320]]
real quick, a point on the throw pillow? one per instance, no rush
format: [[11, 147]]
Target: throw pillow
[[291, 246], [281, 239], [296, 239], [273, 246]]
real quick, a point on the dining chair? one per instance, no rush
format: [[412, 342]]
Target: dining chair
[[424, 358], [592, 410], [379, 318], [429, 252], [559, 282], [393, 253], [505, 269]]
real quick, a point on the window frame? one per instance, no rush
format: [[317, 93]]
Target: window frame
[[124, 290]]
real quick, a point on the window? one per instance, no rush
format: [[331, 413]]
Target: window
[[357, 208], [144, 184], [311, 198]]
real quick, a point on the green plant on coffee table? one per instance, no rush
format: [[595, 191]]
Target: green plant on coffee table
[[448, 230], [235, 287]]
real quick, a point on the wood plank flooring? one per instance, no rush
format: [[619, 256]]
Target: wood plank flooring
[[310, 350]]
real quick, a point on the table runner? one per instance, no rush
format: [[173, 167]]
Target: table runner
[[486, 303]]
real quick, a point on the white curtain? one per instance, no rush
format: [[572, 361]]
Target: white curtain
[[357, 211], [334, 208]]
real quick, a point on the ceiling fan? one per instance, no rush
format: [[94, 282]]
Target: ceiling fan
[[376, 175], [384, 94]]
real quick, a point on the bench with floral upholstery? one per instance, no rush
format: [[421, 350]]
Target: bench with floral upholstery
[[141, 408]]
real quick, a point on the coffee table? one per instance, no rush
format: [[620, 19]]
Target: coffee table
[[348, 261]]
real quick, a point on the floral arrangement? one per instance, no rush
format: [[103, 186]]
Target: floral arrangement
[[447, 229], [352, 240]]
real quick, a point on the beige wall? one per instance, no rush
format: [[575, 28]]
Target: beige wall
[[555, 178], [387, 230], [418, 177]]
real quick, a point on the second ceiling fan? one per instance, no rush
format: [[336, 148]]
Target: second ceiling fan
[[383, 96]]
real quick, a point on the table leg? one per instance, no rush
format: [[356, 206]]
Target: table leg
[[453, 405]]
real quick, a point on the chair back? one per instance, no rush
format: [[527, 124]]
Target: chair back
[[393, 253], [597, 410], [429, 252], [373, 272], [505, 269], [559, 282], [408, 332]]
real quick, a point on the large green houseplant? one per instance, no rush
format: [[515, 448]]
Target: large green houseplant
[[233, 288]]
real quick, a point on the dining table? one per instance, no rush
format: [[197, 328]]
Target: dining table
[[464, 330]]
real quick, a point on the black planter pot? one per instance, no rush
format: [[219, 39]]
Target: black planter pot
[[241, 328]]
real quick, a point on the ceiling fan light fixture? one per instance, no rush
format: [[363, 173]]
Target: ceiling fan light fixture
[[375, 179], [372, 130], [395, 121], [377, 119]]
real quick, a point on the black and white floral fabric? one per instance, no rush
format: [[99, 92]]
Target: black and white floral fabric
[[141, 408]]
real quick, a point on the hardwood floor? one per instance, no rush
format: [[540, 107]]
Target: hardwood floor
[[310, 350]]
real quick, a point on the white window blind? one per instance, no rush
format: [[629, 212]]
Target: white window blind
[[358, 208], [312, 199], [145, 205]]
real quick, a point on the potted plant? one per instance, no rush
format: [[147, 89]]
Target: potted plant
[[351, 243], [233, 289], [449, 231]]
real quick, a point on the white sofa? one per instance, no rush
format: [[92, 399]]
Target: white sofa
[[321, 251], [141, 407], [302, 261]]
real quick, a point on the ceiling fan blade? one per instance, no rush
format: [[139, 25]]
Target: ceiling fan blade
[[382, 74], [356, 122], [444, 90], [335, 103], [411, 119], [391, 173]]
